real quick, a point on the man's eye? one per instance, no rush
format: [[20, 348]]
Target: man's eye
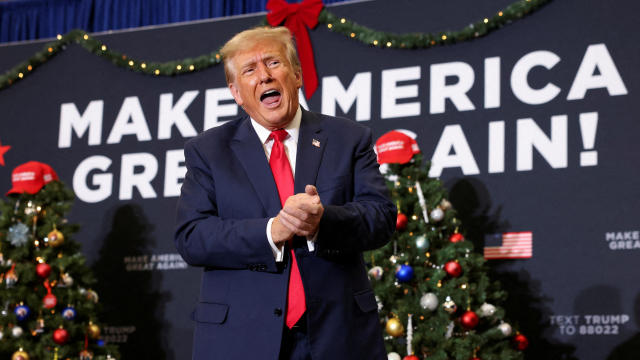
[[274, 63], [247, 71]]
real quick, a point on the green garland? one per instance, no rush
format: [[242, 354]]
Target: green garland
[[343, 26], [515, 11]]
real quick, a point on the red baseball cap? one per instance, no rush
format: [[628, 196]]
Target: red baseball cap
[[30, 177], [396, 147]]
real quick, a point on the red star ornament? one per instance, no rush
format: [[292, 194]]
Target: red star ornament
[[3, 149]]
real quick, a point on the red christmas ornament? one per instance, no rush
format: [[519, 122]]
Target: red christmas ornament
[[469, 320], [43, 270], [410, 357], [521, 342], [456, 237], [475, 358], [401, 221], [60, 336], [49, 301], [453, 268]]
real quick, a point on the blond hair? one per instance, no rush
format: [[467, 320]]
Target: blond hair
[[248, 38]]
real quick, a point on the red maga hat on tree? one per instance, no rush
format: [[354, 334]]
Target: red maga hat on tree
[[30, 177], [396, 147]]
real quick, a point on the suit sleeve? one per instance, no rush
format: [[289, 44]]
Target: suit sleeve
[[368, 221], [203, 238]]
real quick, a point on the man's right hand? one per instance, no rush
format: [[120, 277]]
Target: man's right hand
[[280, 233]]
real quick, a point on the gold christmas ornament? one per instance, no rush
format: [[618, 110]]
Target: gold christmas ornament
[[93, 330], [20, 355], [394, 327], [55, 238]]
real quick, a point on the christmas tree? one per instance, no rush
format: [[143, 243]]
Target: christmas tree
[[435, 298], [49, 310]]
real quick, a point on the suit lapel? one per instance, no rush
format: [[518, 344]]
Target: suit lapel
[[249, 151], [311, 144]]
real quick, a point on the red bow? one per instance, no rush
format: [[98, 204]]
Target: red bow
[[297, 18]]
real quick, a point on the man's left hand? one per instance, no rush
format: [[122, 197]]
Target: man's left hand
[[302, 212]]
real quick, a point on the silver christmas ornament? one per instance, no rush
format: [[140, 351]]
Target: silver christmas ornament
[[486, 309], [393, 259], [16, 331], [17, 235], [429, 301], [437, 214], [422, 242], [505, 329]]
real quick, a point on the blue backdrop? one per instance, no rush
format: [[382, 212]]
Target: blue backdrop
[[36, 19]]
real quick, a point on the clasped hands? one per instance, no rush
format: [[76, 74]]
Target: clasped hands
[[300, 216]]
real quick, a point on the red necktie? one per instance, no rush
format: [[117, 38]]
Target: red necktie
[[283, 176]]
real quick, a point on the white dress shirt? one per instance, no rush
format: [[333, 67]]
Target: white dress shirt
[[291, 149]]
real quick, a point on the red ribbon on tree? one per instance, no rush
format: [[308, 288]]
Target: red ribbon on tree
[[49, 301], [298, 17]]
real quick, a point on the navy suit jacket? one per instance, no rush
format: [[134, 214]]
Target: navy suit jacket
[[227, 197]]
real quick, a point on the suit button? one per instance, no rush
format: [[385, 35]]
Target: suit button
[[277, 311]]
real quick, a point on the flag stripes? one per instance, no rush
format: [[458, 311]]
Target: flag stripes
[[515, 245]]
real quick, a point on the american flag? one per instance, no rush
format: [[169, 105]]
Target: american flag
[[512, 245]]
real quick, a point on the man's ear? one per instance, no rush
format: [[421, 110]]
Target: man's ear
[[236, 94], [298, 75]]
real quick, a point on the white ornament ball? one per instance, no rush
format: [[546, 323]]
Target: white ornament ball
[[505, 329], [17, 331], [429, 301], [393, 356], [437, 214], [486, 309], [376, 272]]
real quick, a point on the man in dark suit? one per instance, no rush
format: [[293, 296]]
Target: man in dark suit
[[277, 207]]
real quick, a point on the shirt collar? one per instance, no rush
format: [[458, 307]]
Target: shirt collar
[[293, 128]]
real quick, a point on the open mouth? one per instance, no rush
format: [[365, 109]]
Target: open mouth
[[270, 97]]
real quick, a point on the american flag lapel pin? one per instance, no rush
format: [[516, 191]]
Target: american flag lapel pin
[[315, 142]]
